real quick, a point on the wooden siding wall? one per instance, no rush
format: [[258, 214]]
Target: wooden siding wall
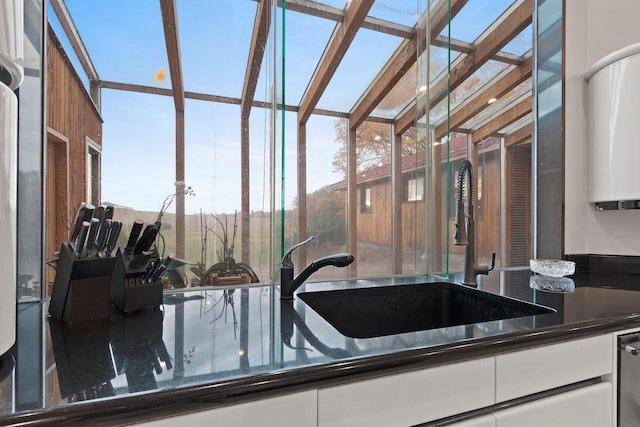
[[71, 114], [375, 227]]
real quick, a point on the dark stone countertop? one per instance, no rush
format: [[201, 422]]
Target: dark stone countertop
[[208, 347]]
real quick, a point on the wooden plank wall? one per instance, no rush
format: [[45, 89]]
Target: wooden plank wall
[[375, 227], [71, 114]]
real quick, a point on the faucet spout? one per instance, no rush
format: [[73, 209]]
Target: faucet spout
[[289, 284], [465, 227]]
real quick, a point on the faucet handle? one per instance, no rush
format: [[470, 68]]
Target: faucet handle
[[286, 259]]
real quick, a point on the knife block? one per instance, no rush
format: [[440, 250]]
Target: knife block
[[129, 292], [81, 287]]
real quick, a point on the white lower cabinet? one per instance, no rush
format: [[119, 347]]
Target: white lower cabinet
[[483, 421], [585, 407], [525, 372], [298, 409], [409, 398]]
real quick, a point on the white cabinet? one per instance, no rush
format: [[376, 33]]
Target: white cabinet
[[483, 421], [585, 407], [530, 371], [299, 409], [409, 398]]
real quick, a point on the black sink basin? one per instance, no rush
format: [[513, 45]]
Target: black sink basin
[[388, 310]]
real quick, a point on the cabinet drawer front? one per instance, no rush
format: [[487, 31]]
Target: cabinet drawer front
[[585, 407], [530, 371], [409, 398], [299, 409]]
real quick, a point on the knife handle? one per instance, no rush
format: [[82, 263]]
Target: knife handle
[[109, 211], [146, 240], [133, 237], [88, 212]]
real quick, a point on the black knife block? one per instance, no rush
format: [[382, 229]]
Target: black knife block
[[81, 287], [129, 292]]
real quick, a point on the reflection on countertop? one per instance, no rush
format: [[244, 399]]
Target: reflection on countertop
[[233, 337]]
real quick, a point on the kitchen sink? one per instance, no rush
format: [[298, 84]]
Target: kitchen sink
[[389, 310]]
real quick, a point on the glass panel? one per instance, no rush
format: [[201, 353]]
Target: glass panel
[[399, 11], [374, 180], [137, 135], [124, 46], [304, 50], [357, 69], [326, 191], [500, 105], [548, 134], [30, 158], [60, 35], [475, 17], [488, 215], [209, 65], [413, 202], [522, 43]]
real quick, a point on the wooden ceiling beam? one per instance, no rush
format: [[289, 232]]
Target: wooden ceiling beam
[[261, 26], [516, 19], [479, 101], [340, 40], [400, 62], [518, 136], [506, 118], [172, 41]]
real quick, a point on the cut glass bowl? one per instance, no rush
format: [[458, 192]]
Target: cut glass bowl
[[552, 267]]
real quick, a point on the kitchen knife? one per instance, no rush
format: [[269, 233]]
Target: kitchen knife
[[91, 238], [76, 223], [159, 272], [146, 240], [112, 240], [101, 240], [133, 237], [82, 236]]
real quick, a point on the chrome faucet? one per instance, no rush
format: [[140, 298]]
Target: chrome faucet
[[465, 228], [288, 284]]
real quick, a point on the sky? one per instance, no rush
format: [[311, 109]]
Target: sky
[[126, 43]]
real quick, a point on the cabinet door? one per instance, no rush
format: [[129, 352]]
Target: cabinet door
[[585, 407], [526, 372], [409, 398], [299, 409]]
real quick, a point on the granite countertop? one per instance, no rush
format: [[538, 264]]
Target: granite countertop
[[212, 346]]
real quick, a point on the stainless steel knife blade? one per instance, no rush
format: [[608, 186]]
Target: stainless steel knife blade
[[102, 237], [91, 238], [112, 240]]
